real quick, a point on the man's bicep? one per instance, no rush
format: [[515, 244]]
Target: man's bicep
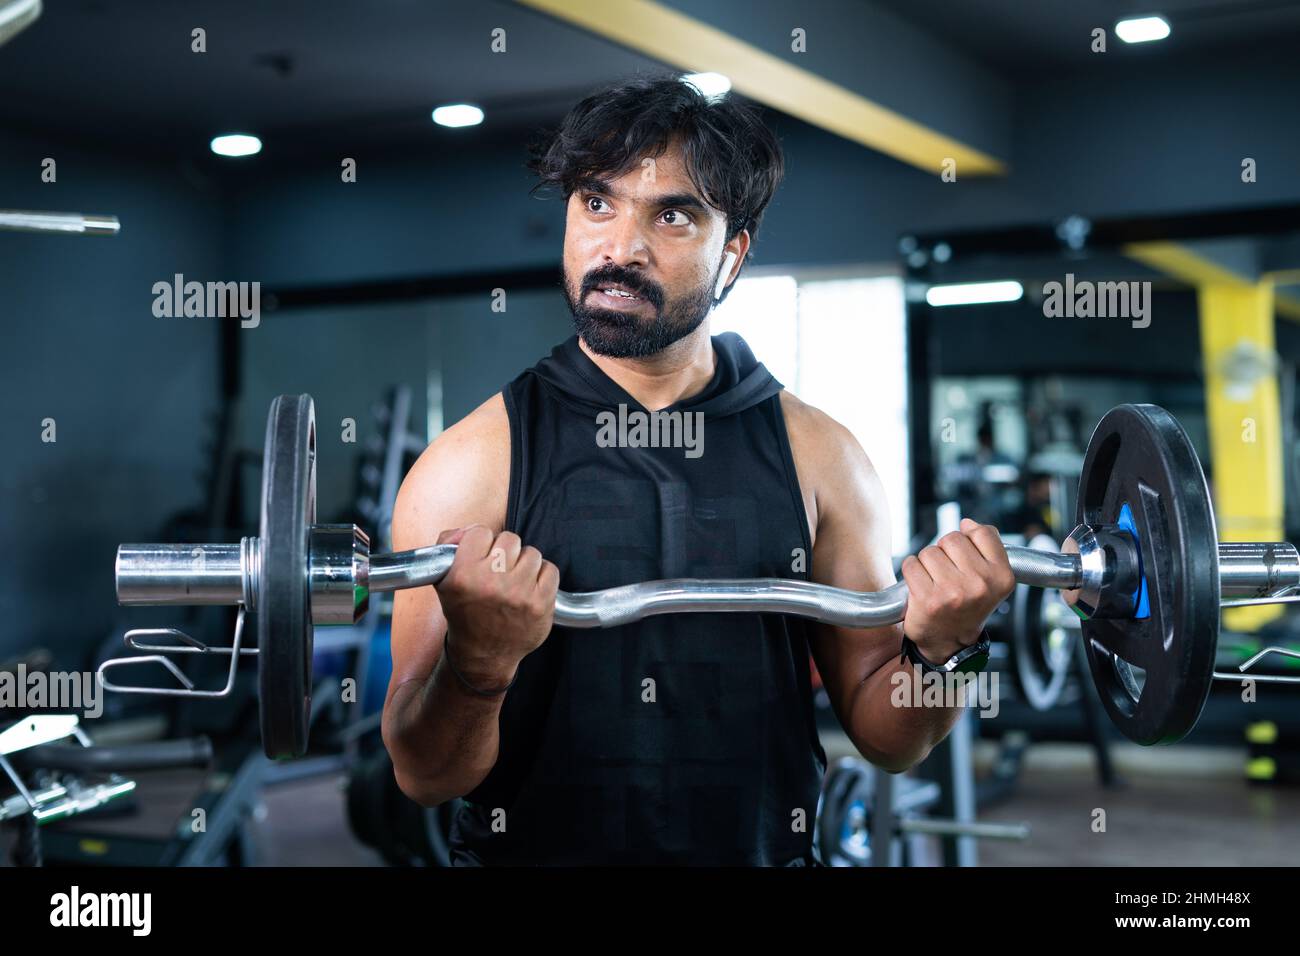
[[418, 626], [456, 482], [853, 551]]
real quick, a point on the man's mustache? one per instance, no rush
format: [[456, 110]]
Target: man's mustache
[[650, 293]]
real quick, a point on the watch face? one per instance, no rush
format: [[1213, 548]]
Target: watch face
[[974, 663], [972, 658]]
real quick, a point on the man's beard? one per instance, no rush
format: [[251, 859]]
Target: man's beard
[[630, 334]]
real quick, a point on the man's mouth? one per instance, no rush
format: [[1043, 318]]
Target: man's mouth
[[616, 297]]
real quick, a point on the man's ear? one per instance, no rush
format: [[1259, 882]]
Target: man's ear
[[728, 261]]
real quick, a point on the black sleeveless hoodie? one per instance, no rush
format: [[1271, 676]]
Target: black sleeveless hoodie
[[680, 739]]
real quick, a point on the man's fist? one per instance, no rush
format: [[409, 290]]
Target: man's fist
[[953, 586], [499, 600]]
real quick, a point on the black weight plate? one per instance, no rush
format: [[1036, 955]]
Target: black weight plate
[[1043, 629], [1140, 456], [284, 628], [833, 809], [855, 847]]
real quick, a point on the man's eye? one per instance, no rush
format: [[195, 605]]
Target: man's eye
[[682, 220], [592, 199]]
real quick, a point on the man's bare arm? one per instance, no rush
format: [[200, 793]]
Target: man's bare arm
[[853, 550], [443, 739]]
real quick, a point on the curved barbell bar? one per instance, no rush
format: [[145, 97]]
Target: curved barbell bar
[[169, 574]]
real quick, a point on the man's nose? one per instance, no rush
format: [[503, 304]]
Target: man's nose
[[624, 242]]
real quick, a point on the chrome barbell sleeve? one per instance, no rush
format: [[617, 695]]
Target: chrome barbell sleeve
[[1257, 569], [184, 574]]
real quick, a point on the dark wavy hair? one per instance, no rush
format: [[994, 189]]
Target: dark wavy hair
[[732, 157]]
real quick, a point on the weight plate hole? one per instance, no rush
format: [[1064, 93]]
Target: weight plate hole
[[1131, 678]]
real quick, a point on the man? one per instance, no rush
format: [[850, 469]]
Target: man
[[683, 738], [1035, 515]]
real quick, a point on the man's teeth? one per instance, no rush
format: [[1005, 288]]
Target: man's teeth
[[626, 295]]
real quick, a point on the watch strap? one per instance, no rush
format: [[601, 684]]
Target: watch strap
[[969, 655]]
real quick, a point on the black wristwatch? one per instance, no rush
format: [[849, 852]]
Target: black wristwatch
[[971, 659]]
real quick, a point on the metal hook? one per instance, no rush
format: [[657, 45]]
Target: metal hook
[[1286, 595], [1251, 602], [1261, 678], [195, 647]]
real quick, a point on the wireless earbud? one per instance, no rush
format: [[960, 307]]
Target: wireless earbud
[[727, 262]]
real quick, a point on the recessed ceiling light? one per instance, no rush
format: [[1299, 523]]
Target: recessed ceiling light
[[458, 114], [1142, 29], [236, 144], [712, 85]]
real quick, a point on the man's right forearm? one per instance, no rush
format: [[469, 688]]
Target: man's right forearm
[[443, 738]]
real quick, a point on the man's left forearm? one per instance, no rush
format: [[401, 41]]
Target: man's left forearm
[[890, 723]]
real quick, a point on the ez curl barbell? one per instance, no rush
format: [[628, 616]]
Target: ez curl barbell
[[1144, 566]]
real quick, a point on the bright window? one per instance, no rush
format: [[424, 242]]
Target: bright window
[[840, 345]]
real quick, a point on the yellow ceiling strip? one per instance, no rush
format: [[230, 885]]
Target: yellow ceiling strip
[[693, 46], [1286, 306], [1181, 262]]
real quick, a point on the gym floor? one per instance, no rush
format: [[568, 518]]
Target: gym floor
[[1183, 807]]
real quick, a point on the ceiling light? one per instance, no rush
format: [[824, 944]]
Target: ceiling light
[[236, 144], [16, 15], [1142, 29], [458, 114], [712, 85]]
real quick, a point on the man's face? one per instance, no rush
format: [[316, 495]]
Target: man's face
[[651, 233]]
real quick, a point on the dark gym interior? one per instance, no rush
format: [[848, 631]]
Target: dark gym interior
[[957, 176]]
